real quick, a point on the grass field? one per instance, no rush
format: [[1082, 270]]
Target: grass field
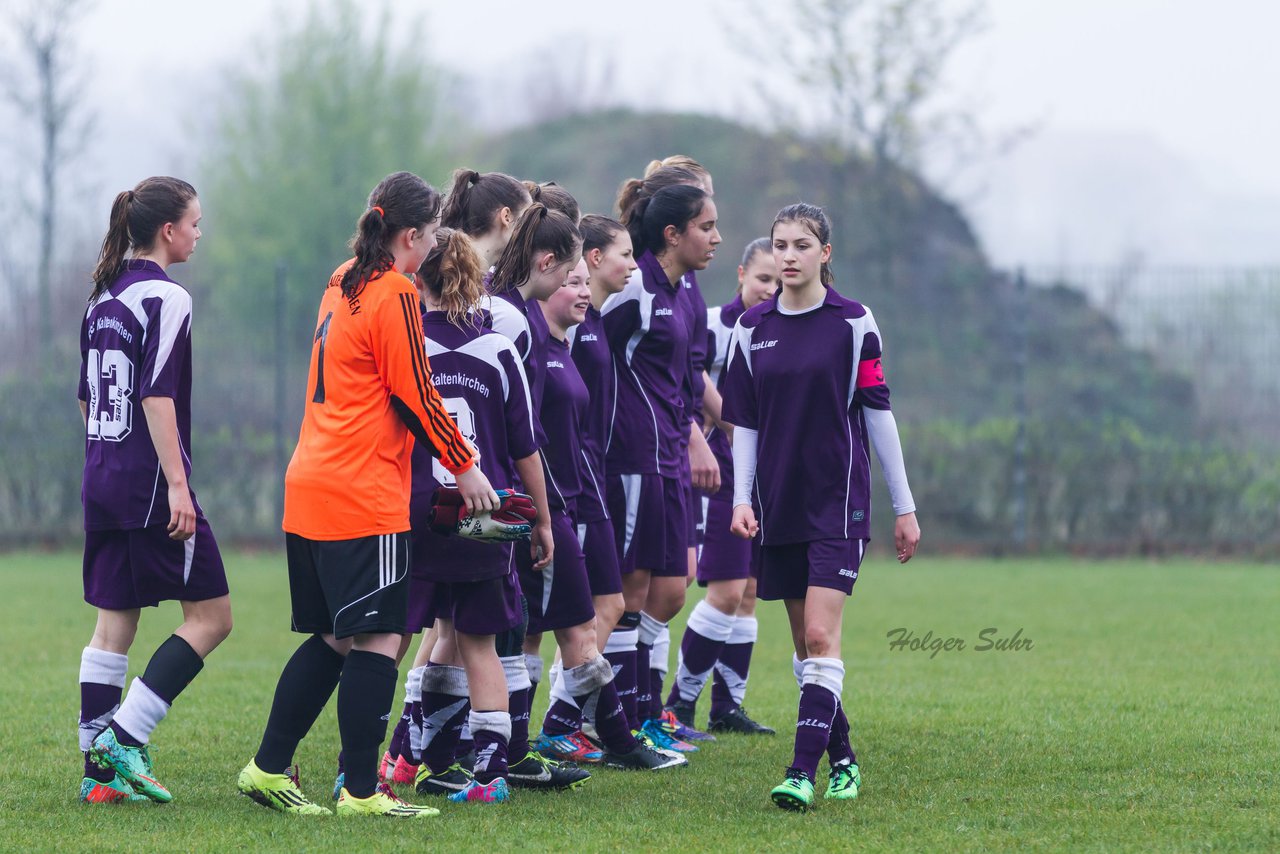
[[1145, 716]]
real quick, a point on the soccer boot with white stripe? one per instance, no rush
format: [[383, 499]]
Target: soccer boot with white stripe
[[279, 792], [737, 720], [536, 771], [131, 763], [643, 757], [386, 767], [383, 801], [452, 779], [844, 781], [564, 748]]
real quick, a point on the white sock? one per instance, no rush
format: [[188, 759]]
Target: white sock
[[141, 711]]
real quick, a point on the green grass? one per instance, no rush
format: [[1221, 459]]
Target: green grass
[[1145, 716]]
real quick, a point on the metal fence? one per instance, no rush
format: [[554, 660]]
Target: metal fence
[[1139, 411]]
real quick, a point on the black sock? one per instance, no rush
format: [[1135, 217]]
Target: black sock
[[365, 694], [305, 686], [172, 668]]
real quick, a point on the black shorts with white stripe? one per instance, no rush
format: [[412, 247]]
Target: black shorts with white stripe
[[349, 587]]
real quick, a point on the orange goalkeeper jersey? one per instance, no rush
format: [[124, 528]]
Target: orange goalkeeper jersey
[[369, 393]]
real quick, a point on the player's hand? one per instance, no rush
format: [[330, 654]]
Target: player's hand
[[182, 513], [705, 467], [477, 493], [541, 546], [906, 536], [744, 522]]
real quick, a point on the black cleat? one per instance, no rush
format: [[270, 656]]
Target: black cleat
[[455, 778], [740, 722], [644, 758], [536, 771]]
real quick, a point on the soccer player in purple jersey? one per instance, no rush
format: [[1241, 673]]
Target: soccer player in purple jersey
[[537, 261], [701, 473], [469, 588], [146, 539], [485, 206], [606, 247], [811, 344], [721, 630], [647, 451], [563, 411]]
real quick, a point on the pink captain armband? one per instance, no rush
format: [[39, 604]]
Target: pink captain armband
[[870, 373]]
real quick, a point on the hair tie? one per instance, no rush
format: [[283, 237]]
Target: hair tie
[[379, 209]]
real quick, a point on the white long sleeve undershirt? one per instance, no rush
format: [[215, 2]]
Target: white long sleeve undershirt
[[882, 429], [744, 464]]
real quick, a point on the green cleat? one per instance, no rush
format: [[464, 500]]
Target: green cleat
[[278, 792], [844, 781], [383, 801], [133, 764], [118, 791], [795, 792]]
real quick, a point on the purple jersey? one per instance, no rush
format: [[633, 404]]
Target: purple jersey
[[648, 335], [696, 307], [482, 385], [564, 408], [591, 354], [521, 322], [135, 342], [801, 381], [720, 323]]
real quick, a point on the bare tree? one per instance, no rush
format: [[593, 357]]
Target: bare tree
[[47, 92]]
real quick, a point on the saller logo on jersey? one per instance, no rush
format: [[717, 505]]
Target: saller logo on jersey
[[764, 345], [663, 312]]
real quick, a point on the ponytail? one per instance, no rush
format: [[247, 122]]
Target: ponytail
[[474, 199], [401, 200], [676, 205], [453, 274], [635, 189], [815, 220], [555, 197], [540, 229], [136, 216]]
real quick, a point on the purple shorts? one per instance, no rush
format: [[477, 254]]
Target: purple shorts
[[487, 607], [724, 556], [438, 559], [601, 552], [650, 523], [788, 571], [142, 567], [559, 594], [697, 527]]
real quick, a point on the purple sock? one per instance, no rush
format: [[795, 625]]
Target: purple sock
[[491, 732], [398, 746], [813, 727], [655, 693], [729, 683], [97, 704], [414, 739], [621, 652], [612, 723], [518, 703], [444, 708], [564, 718], [839, 749], [700, 648], [644, 697]]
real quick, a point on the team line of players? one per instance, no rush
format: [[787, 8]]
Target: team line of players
[[582, 367]]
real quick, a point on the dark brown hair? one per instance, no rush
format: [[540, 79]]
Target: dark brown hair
[[401, 200], [540, 229], [453, 273], [555, 197], [815, 220], [678, 205], [598, 231], [136, 216], [635, 189], [475, 198]]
